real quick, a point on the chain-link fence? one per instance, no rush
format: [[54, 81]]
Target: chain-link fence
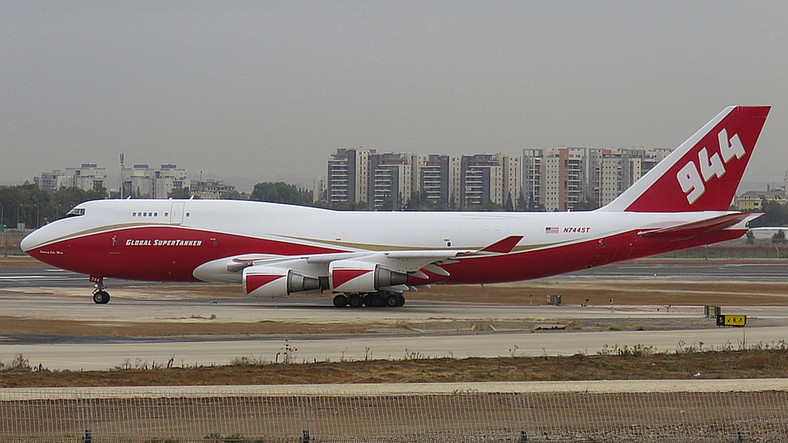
[[145, 415]]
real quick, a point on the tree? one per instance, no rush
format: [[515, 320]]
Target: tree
[[179, 193], [349, 206], [750, 237], [587, 204], [25, 204], [509, 206], [420, 202], [281, 192], [234, 195], [779, 237], [531, 205], [97, 193], [387, 204], [775, 214]]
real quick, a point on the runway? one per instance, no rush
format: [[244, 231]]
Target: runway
[[438, 338], [645, 269], [423, 328], [136, 353]]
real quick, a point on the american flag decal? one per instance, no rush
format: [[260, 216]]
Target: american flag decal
[[551, 230]]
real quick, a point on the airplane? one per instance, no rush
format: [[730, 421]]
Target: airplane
[[372, 258]]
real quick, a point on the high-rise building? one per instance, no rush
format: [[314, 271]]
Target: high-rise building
[[532, 179], [209, 189], [554, 177], [612, 171], [390, 181], [481, 180], [167, 179], [53, 181], [432, 176], [348, 175], [512, 180], [557, 178], [87, 177], [142, 181]]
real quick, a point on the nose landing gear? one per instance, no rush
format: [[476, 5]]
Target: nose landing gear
[[100, 296]]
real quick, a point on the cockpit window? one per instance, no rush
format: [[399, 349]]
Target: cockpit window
[[76, 212]]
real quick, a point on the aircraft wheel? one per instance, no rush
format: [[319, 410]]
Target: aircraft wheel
[[392, 301], [401, 301], [340, 301], [367, 300], [355, 301], [101, 297], [378, 300]]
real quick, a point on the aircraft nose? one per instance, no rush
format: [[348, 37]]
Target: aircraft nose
[[30, 241]]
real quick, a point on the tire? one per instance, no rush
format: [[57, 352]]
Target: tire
[[355, 301], [401, 301], [340, 301], [392, 301], [101, 297], [378, 300]]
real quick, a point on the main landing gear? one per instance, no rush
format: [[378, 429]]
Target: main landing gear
[[372, 300], [100, 296]]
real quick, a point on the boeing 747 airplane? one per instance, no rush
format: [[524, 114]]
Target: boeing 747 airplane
[[372, 258]]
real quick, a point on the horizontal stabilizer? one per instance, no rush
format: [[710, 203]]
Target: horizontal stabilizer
[[689, 230]]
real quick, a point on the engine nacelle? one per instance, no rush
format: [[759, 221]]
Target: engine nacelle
[[353, 276], [274, 281]]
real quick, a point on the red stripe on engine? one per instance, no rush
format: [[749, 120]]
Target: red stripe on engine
[[342, 276], [255, 281]]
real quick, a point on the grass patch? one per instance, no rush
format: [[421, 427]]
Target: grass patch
[[632, 363]]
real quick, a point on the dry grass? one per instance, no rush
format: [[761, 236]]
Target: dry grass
[[630, 366]]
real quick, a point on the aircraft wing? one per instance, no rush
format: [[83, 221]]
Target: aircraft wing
[[351, 272]]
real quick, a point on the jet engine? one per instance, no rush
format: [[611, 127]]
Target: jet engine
[[275, 281], [355, 276]]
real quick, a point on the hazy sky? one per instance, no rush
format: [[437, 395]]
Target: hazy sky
[[268, 90]]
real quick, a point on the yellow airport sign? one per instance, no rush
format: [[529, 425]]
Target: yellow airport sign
[[731, 320]]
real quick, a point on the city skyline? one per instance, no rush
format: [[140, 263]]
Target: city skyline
[[53, 179], [263, 91]]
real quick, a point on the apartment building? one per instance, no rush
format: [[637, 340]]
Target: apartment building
[[612, 171], [390, 181], [142, 181], [459, 181], [348, 175], [555, 178], [86, 177], [209, 189]]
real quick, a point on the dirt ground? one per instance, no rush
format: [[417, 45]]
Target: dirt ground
[[574, 292], [734, 364], [624, 364]]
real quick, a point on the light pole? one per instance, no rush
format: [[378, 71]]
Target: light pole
[[5, 229]]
